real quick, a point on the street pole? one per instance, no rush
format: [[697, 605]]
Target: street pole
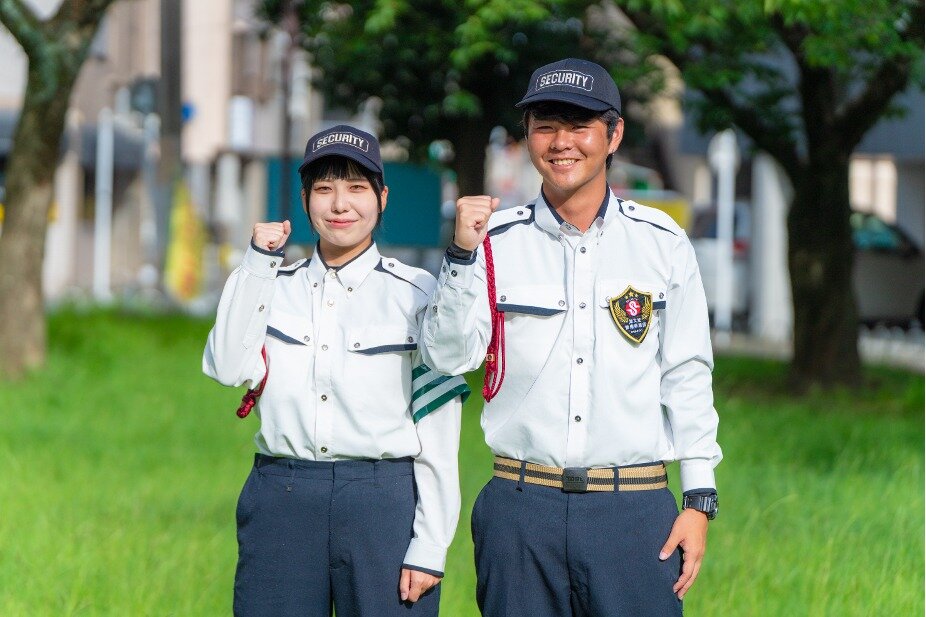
[[290, 25], [103, 208], [723, 155], [169, 110]]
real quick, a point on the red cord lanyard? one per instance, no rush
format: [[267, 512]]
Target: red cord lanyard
[[250, 397], [495, 354]]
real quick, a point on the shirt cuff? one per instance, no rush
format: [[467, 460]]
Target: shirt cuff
[[459, 275], [261, 262], [697, 474], [458, 255], [425, 557]]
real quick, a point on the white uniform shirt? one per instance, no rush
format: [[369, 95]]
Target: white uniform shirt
[[346, 380], [577, 392]]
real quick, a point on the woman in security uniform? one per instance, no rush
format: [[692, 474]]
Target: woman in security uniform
[[354, 496]]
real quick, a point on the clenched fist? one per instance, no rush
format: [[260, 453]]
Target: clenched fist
[[271, 236], [473, 220]]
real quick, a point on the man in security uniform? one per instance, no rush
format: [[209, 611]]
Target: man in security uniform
[[598, 313]]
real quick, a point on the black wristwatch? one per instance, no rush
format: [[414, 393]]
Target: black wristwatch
[[706, 503]]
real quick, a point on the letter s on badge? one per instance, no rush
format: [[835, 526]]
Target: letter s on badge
[[632, 312]]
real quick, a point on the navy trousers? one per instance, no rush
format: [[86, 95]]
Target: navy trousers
[[541, 552], [316, 535]]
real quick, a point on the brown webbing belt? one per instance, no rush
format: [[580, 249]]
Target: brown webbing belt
[[580, 480]]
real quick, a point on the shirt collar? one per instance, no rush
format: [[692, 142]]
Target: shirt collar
[[550, 221], [350, 274]]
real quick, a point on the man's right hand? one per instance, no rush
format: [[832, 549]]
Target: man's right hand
[[473, 220], [271, 236]]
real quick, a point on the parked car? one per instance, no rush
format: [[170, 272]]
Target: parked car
[[703, 236], [888, 272]]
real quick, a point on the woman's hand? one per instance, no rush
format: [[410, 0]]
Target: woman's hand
[[413, 584]]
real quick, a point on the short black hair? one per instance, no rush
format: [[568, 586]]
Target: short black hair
[[341, 168], [570, 114]]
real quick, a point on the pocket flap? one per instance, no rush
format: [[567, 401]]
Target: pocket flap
[[378, 339], [289, 328], [614, 288], [532, 299]]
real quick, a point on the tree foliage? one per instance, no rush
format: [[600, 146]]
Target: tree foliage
[[443, 69], [805, 80]]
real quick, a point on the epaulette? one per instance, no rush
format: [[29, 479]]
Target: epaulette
[[421, 279], [503, 220], [653, 216], [292, 268]]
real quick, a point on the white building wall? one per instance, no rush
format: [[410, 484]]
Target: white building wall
[[206, 76]]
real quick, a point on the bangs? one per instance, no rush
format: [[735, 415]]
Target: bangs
[[336, 168]]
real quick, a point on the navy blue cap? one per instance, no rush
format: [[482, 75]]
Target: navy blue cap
[[574, 81], [347, 141]]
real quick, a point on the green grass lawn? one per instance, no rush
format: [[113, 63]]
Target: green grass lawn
[[122, 463]]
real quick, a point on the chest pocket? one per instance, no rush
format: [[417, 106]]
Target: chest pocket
[[534, 317], [376, 340], [538, 300], [633, 308], [290, 347]]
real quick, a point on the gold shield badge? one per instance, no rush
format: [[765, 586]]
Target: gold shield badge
[[632, 311]]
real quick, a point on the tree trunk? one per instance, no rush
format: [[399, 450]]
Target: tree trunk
[[470, 138], [820, 259], [29, 193]]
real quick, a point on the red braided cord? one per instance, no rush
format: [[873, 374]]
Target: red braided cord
[[250, 397], [495, 354]]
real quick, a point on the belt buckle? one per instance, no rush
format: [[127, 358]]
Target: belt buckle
[[575, 480]]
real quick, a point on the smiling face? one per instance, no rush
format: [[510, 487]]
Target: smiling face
[[344, 206], [570, 151]]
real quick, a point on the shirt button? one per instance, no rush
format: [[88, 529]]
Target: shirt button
[[324, 348], [434, 309], [562, 303], [578, 418], [581, 305], [324, 449], [324, 397], [579, 361], [350, 289], [306, 339], [632, 208], [582, 250], [391, 265], [503, 298], [273, 264], [330, 302], [314, 284], [453, 273], [410, 340], [260, 308], [331, 274], [356, 345]]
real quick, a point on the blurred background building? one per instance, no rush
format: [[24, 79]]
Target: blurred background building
[[244, 124]]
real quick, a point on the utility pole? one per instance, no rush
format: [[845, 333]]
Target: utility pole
[[169, 109], [290, 25]]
